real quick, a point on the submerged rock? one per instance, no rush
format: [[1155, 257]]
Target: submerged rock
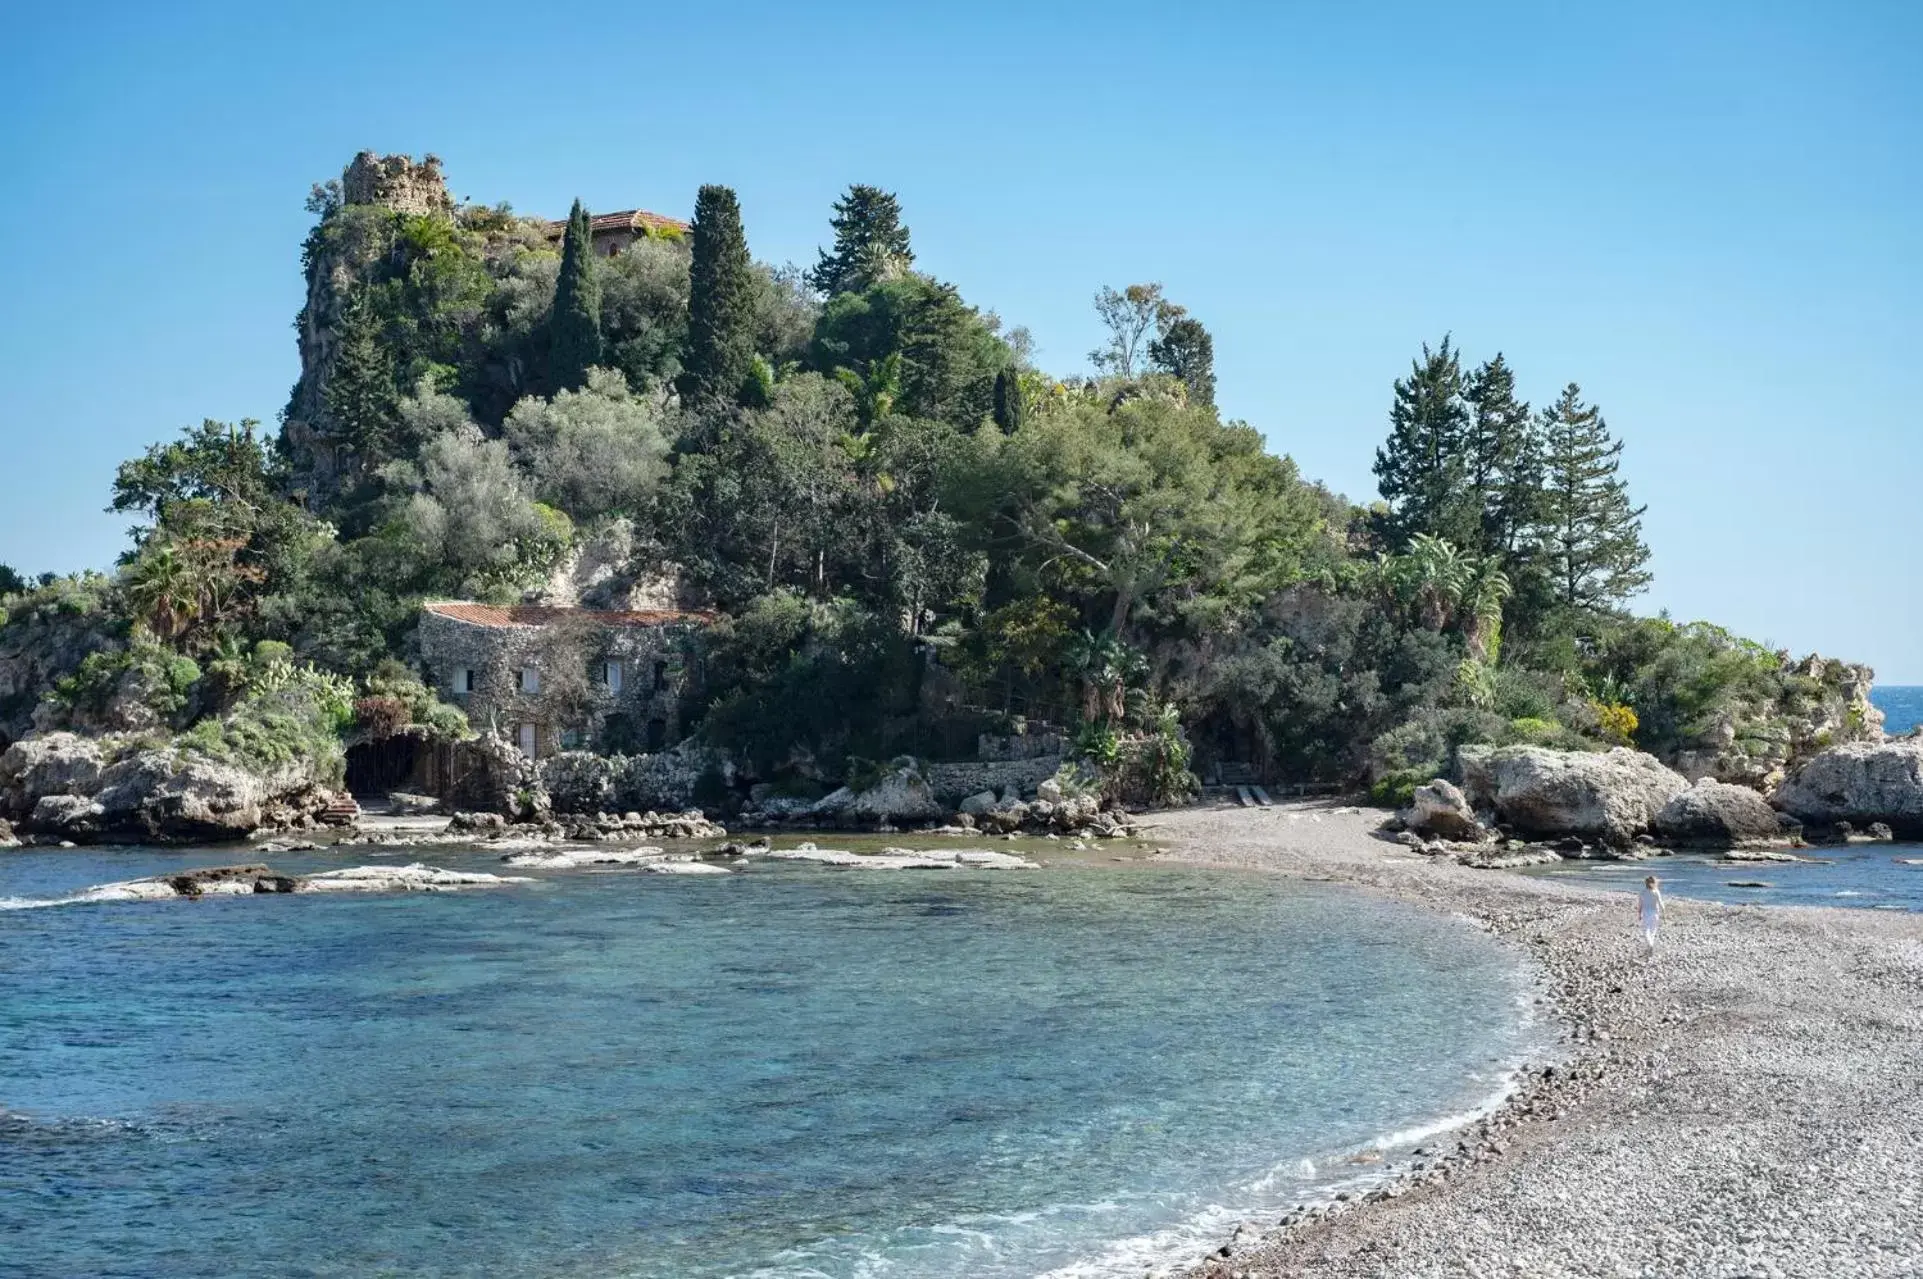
[[901, 858], [573, 858], [417, 877], [1613, 796], [240, 881], [1860, 783]]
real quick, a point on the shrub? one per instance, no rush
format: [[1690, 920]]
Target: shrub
[[381, 716], [1617, 722], [292, 714], [1532, 731]]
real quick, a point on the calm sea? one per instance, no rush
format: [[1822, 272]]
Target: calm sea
[[1901, 704], [788, 1071]]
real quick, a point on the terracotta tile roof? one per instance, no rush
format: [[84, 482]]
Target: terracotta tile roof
[[542, 615], [625, 220]]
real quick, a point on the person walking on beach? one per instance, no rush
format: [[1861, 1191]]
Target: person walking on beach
[[1649, 911]]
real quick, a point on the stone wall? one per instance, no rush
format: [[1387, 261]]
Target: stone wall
[[572, 706], [1040, 740], [952, 783], [396, 182]]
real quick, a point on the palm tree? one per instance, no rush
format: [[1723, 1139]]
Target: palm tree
[[161, 587]]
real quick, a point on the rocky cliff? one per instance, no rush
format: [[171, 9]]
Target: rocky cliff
[[106, 788], [355, 233]]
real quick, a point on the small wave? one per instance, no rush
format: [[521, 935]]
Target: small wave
[[35, 903]]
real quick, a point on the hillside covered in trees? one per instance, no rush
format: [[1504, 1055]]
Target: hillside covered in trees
[[911, 533]]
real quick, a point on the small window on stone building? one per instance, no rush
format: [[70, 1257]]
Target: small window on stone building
[[525, 738], [660, 677], [657, 735], [611, 676], [530, 681], [464, 680]]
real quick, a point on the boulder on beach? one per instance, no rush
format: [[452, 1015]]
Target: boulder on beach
[[1860, 783], [1441, 809], [1718, 815], [902, 795], [1612, 796]]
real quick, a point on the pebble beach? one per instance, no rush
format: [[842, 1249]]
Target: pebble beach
[[1746, 1102]]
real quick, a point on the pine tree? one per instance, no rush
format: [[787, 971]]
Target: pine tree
[[1591, 535], [574, 328], [1421, 470], [871, 244], [361, 393], [721, 349], [1184, 349], [1502, 463], [1009, 409]]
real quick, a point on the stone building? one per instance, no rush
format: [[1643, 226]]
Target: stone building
[[612, 232], [551, 679]]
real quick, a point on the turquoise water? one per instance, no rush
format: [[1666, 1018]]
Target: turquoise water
[[1901, 704], [784, 1072], [1865, 876]]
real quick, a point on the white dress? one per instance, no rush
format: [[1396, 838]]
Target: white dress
[[1650, 912]]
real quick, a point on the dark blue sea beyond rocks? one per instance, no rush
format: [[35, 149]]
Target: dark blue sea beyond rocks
[[788, 1071], [1902, 706]]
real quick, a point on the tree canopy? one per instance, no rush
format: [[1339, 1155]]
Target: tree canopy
[[909, 532]]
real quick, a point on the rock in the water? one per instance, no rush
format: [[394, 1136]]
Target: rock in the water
[[1860, 783], [1440, 808], [417, 877], [1613, 795], [903, 858], [1717, 815], [573, 858]]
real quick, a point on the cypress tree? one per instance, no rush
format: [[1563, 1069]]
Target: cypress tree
[[721, 348], [871, 244], [1421, 470], [574, 328], [1591, 535], [1184, 349], [1009, 408], [361, 395]]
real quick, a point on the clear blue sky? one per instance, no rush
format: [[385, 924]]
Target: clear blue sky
[[1710, 215]]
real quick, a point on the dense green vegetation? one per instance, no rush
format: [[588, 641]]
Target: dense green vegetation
[[912, 532]]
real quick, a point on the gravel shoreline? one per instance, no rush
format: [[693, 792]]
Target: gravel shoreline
[[1747, 1103]]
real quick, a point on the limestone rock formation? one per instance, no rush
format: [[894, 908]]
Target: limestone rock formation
[[1613, 796], [1821, 702], [1860, 783], [230, 881], [84, 788], [902, 795], [322, 459], [1718, 815], [1440, 809]]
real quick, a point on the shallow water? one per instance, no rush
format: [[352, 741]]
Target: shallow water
[[788, 1071], [1866, 876]]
